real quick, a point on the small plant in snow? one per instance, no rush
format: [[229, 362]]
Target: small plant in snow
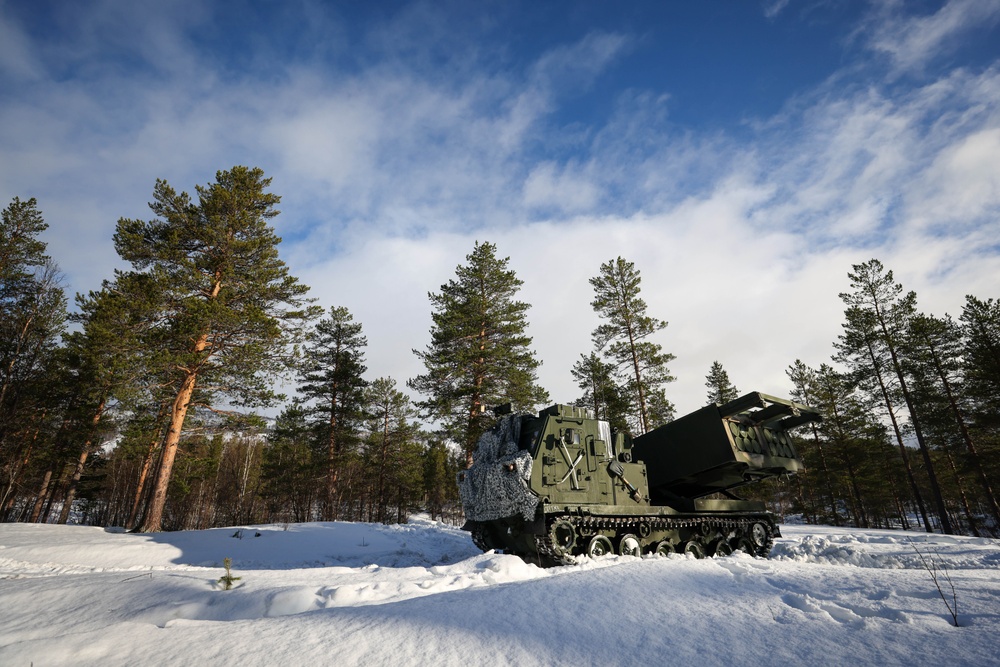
[[931, 565], [227, 579]]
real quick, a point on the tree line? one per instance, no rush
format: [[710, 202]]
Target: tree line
[[141, 404], [911, 435]]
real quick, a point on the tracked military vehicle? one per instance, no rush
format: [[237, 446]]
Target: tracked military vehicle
[[561, 484]]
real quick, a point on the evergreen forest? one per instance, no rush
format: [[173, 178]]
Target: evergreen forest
[[140, 405]]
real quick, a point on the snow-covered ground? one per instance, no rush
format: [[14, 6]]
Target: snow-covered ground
[[422, 594]]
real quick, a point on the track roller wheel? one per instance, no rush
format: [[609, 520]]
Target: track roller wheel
[[745, 545], [664, 548], [563, 537], [694, 548], [629, 545], [721, 548], [760, 537], [481, 539], [599, 546]]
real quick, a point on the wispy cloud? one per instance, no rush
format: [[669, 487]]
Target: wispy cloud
[[774, 7], [913, 41]]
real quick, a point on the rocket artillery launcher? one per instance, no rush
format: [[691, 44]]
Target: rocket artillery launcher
[[560, 484]]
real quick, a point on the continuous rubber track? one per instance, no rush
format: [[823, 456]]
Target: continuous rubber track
[[733, 527]]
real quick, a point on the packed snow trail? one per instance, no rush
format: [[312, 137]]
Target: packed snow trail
[[421, 593]]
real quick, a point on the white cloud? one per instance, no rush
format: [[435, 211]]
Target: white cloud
[[774, 7], [564, 188], [912, 41], [962, 184], [17, 55]]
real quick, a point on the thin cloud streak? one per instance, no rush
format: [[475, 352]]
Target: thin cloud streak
[[911, 42]]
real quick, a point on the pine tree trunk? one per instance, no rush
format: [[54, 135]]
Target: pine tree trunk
[[332, 512], [141, 499], [861, 516], [7, 502], [827, 477], [80, 464], [896, 499], [40, 500], [917, 430], [476, 407], [53, 492], [383, 464], [969, 516], [928, 463], [643, 416], [899, 438], [154, 518], [147, 462]]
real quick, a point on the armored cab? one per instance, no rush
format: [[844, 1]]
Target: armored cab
[[561, 484]]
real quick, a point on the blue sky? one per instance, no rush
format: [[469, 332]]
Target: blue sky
[[743, 154]]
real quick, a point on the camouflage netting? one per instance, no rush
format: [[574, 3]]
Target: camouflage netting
[[489, 490]]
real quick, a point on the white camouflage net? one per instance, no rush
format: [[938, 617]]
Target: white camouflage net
[[490, 490]]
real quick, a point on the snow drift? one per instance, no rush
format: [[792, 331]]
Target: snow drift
[[421, 593]]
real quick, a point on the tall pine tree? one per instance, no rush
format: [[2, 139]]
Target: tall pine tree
[[107, 366], [601, 391], [227, 303], [32, 317], [804, 381], [393, 453], [935, 361], [877, 316], [720, 389], [479, 352], [332, 384], [625, 332], [981, 328]]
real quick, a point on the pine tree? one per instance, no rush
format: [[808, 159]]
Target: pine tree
[[32, 304], [20, 249], [624, 333], [440, 490], [659, 408], [980, 321], [289, 470], [720, 389], [479, 353], [878, 314], [226, 301], [106, 361], [804, 381], [32, 317], [331, 379], [393, 452], [601, 391], [935, 361], [981, 328], [844, 426]]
